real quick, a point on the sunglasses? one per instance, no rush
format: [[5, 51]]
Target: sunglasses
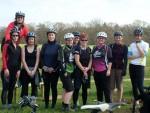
[[84, 40], [15, 35]]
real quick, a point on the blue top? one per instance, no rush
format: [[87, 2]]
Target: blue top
[[49, 54]]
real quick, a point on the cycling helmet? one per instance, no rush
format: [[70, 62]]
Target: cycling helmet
[[19, 13], [51, 30], [76, 33], [102, 34], [14, 30], [68, 36], [118, 33], [138, 31], [31, 34]]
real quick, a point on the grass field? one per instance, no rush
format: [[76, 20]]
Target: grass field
[[91, 97]]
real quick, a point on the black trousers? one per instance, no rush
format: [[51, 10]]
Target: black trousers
[[8, 85], [102, 83], [79, 81], [25, 79], [50, 81], [137, 79]]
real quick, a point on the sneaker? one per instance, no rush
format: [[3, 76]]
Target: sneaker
[[137, 104], [52, 106], [9, 106], [46, 106], [75, 107], [4, 106], [65, 107]]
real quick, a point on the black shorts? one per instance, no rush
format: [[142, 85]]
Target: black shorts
[[67, 83]]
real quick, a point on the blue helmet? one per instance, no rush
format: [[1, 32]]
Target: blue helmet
[[19, 13], [31, 34], [138, 31], [118, 33]]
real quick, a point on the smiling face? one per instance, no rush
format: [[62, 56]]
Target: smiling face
[[76, 40], [69, 41], [138, 37], [118, 39], [51, 37], [31, 40], [20, 19], [83, 42], [100, 40], [15, 37]]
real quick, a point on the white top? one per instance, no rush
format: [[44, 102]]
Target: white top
[[133, 51]]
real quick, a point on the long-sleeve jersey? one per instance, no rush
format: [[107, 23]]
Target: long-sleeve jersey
[[23, 31], [119, 56], [11, 56], [49, 54]]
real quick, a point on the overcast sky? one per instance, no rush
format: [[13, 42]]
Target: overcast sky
[[68, 11]]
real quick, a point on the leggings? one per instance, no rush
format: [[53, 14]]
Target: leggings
[[137, 79], [78, 81], [8, 85], [25, 79], [50, 81], [102, 83]]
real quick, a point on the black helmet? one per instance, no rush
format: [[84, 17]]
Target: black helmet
[[76, 33], [19, 13], [138, 31], [118, 33], [31, 34], [14, 30]]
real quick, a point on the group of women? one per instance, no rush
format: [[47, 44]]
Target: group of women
[[73, 63]]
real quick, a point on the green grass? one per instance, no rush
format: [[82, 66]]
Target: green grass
[[91, 97]]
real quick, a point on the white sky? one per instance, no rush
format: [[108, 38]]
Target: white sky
[[68, 11]]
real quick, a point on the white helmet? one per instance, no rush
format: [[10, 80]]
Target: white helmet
[[51, 29], [68, 36], [101, 34]]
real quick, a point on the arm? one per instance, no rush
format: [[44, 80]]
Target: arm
[[7, 31], [78, 63], [90, 63], [5, 56], [37, 61], [41, 56], [125, 59], [24, 62], [130, 53], [141, 51], [25, 31], [61, 62], [109, 69], [4, 60], [109, 57]]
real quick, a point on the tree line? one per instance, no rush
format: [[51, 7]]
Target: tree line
[[91, 28]]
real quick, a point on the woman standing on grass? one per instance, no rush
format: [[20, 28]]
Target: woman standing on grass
[[83, 61], [101, 63], [30, 61], [67, 69], [11, 60], [137, 54], [119, 65], [49, 64]]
